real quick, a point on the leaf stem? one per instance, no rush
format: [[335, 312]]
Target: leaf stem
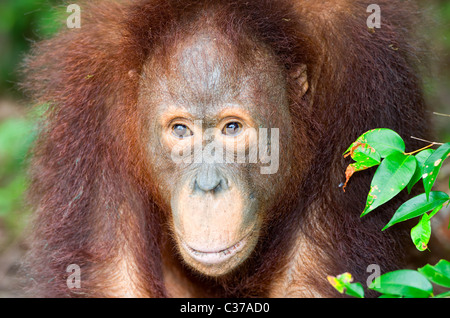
[[419, 150]]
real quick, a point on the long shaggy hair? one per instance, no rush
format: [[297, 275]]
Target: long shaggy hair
[[94, 200]]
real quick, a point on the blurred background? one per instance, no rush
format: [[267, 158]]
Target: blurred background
[[25, 21]]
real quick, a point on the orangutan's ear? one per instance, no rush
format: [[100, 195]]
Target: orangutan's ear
[[300, 76]]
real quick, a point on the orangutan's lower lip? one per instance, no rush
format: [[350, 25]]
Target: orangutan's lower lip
[[215, 257]]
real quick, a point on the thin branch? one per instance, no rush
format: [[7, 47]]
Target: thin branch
[[419, 150], [440, 114], [427, 141]]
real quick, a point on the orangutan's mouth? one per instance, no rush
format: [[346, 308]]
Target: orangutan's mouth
[[218, 256]]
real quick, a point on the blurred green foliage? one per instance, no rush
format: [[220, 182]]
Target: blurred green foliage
[[444, 13], [21, 22], [16, 135]]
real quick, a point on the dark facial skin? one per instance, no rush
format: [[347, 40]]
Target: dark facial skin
[[204, 95]]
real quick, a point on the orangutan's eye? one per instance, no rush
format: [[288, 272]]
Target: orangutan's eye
[[181, 131], [232, 129]]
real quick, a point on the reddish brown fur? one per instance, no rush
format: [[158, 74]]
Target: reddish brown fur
[[93, 195]]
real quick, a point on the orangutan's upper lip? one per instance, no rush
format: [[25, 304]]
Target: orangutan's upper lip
[[218, 256]]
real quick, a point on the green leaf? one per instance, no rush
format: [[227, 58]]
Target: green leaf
[[421, 157], [391, 177], [432, 166], [420, 234], [355, 290], [417, 206], [405, 283], [365, 153], [436, 210], [438, 274], [390, 296], [384, 141], [365, 156]]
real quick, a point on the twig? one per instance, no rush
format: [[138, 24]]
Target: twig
[[430, 142], [440, 114]]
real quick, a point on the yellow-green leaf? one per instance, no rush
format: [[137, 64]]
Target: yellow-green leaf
[[420, 234]]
